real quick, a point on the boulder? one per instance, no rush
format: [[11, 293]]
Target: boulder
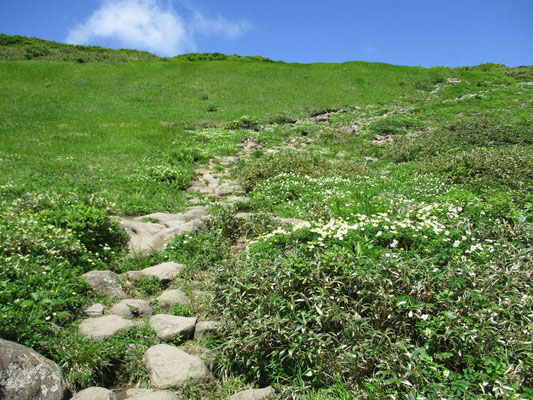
[[95, 310], [132, 308], [205, 328], [155, 395], [105, 282], [254, 394], [168, 327], [170, 367], [103, 327], [170, 297], [164, 272], [27, 375], [95, 393]]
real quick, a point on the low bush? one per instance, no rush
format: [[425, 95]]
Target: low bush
[[46, 243], [402, 305], [462, 135], [298, 162]]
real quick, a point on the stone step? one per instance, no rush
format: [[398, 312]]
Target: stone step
[[170, 367], [102, 327], [170, 327], [164, 272], [132, 308]]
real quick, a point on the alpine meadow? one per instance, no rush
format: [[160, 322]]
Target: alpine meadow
[[212, 226]]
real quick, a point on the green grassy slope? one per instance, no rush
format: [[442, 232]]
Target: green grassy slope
[[411, 280], [91, 126]]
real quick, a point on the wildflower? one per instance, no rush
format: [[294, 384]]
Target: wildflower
[[446, 374], [424, 317], [394, 243], [427, 331], [47, 318]]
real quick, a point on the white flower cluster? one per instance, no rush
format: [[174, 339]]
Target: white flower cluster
[[428, 222]]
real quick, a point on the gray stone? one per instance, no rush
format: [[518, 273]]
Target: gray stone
[[155, 395], [103, 327], [95, 393], [170, 297], [168, 327], [205, 328], [27, 375], [170, 367], [322, 119], [164, 272], [105, 282], [254, 394], [138, 227], [123, 394], [370, 159], [95, 310], [132, 308]]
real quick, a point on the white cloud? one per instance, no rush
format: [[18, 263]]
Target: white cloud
[[148, 25]]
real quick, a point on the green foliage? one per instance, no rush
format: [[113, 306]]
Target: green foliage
[[463, 134], [245, 122], [521, 74], [340, 298], [396, 124], [14, 47], [46, 243], [291, 161]]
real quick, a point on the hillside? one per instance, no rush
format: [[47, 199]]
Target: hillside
[[358, 229]]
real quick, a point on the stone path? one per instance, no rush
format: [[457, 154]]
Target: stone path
[[168, 366]]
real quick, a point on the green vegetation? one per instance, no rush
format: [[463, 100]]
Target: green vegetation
[[408, 276]]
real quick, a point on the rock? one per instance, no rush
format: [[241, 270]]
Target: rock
[[155, 395], [205, 354], [95, 393], [170, 367], [27, 375], [170, 297], [138, 227], [105, 282], [205, 328], [322, 119], [123, 394], [103, 327], [370, 159], [454, 80], [254, 394], [168, 327], [132, 308], [95, 310], [165, 272]]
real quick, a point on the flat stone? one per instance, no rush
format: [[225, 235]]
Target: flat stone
[[25, 374], [95, 393], [95, 310], [132, 308], [205, 328], [254, 394], [170, 367], [105, 282], [156, 395], [170, 297], [123, 394], [103, 327], [168, 327], [137, 227], [164, 272]]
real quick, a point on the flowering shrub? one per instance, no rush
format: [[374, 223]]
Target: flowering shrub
[[410, 302], [46, 243]]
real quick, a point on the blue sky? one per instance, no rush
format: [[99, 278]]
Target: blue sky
[[406, 32]]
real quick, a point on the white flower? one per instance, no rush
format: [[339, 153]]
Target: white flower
[[424, 317]]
